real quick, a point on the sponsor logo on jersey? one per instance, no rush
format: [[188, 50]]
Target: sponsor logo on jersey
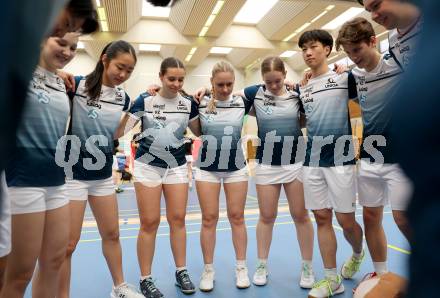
[[268, 110], [211, 112], [308, 109], [43, 98], [331, 83], [308, 99], [363, 97], [159, 116], [235, 104], [269, 97], [269, 103], [93, 103], [92, 114], [404, 49], [181, 106], [119, 95], [160, 107], [269, 100], [210, 118], [38, 82], [60, 83]]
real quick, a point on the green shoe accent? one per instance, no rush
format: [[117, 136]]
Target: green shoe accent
[[351, 266]]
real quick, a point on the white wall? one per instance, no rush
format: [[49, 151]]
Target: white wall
[[82, 64]]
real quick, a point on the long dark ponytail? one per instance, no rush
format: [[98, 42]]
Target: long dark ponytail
[[94, 79]]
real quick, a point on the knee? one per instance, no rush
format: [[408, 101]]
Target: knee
[[348, 225], [323, 219], [371, 218], [52, 262], [71, 246], [176, 220], [268, 218], [19, 281], [149, 225], [301, 217], [112, 235], [236, 218], [209, 220], [400, 220]]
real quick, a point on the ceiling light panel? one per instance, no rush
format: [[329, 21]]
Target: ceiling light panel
[[253, 11], [144, 47], [346, 16], [220, 50], [148, 10]]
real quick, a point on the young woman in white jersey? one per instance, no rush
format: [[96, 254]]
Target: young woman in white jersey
[[160, 167], [97, 107], [287, 176], [39, 206], [221, 115]]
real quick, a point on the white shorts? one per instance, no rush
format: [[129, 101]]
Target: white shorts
[[381, 184], [80, 190], [268, 174], [217, 177], [152, 176], [5, 219], [36, 199], [330, 188]]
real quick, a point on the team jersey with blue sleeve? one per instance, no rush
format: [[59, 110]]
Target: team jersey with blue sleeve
[[221, 149], [278, 124], [95, 122], [329, 135], [375, 90], [163, 124], [403, 46], [44, 122]]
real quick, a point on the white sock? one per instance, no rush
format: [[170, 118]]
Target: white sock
[[307, 262], [178, 269], [380, 267], [262, 261], [209, 267], [241, 264], [145, 277], [118, 286], [357, 255], [330, 273]]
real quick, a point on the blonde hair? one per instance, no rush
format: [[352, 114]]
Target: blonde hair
[[221, 66]]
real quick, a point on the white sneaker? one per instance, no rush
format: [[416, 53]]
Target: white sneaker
[[327, 288], [242, 278], [125, 291], [352, 266], [260, 276], [207, 280], [307, 277]]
